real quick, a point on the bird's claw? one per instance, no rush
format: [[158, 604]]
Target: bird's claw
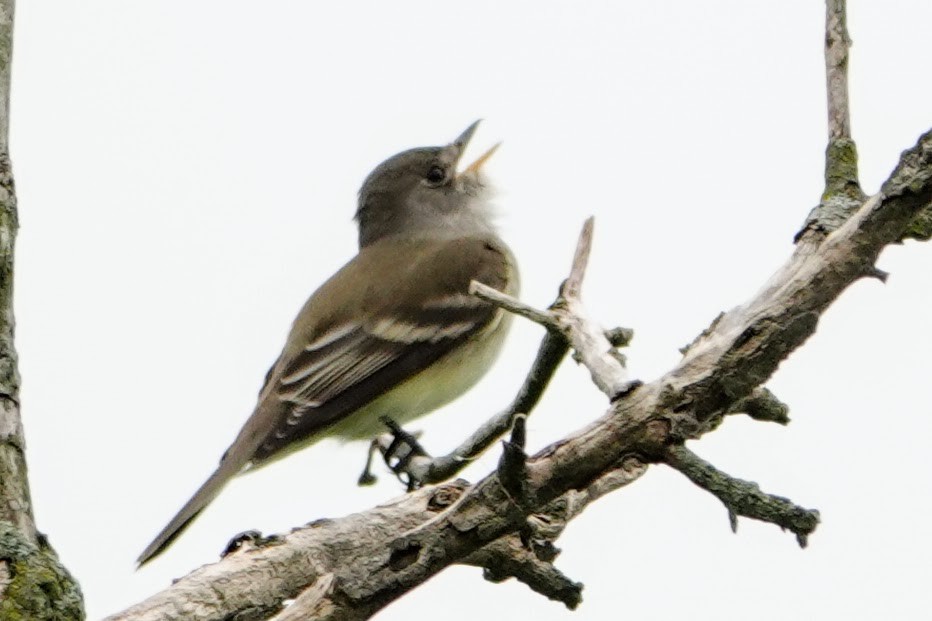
[[397, 447]]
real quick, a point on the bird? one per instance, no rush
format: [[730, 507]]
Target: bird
[[395, 332]]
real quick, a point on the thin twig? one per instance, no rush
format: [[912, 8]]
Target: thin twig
[[508, 558], [572, 288], [510, 304], [841, 157], [837, 45], [588, 340], [743, 497], [842, 195]]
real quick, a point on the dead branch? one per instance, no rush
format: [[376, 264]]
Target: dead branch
[[377, 556], [743, 497]]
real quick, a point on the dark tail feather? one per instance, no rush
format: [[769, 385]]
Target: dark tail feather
[[207, 492]]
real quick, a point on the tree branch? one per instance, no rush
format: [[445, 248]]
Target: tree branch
[[842, 195], [381, 554], [841, 158], [588, 340], [743, 497], [15, 503], [33, 584]]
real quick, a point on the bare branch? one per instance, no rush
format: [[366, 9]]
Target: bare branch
[[593, 350], [512, 305], [33, 583], [7, 10], [381, 554], [841, 157], [743, 497], [510, 558], [572, 288], [589, 341], [842, 195], [15, 502], [837, 44]]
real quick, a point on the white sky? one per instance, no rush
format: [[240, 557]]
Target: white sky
[[187, 173]]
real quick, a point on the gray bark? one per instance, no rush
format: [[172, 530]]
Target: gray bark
[[33, 584]]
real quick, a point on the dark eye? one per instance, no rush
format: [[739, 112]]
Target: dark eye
[[436, 174]]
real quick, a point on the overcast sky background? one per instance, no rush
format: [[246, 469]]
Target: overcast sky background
[[187, 173]]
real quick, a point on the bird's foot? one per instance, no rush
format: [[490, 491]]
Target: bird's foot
[[397, 447]]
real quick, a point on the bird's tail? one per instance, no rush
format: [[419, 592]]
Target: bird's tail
[[227, 469]]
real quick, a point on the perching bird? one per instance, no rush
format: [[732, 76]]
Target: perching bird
[[393, 333]]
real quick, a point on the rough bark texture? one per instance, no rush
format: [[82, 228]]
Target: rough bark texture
[[15, 506], [372, 558], [843, 194], [33, 584]]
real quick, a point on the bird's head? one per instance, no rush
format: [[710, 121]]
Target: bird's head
[[419, 192]]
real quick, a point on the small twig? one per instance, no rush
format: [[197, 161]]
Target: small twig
[[533, 565], [842, 195], [743, 497], [572, 288], [762, 405], [507, 558], [877, 273], [841, 156], [550, 354], [512, 305], [837, 45], [586, 338]]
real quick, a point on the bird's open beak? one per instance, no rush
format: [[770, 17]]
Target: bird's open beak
[[461, 143], [482, 159]]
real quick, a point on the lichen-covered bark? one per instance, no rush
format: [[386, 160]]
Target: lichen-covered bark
[[34, 585], [842, 195]]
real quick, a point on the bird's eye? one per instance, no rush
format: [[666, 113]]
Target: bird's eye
[[436, 174]]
